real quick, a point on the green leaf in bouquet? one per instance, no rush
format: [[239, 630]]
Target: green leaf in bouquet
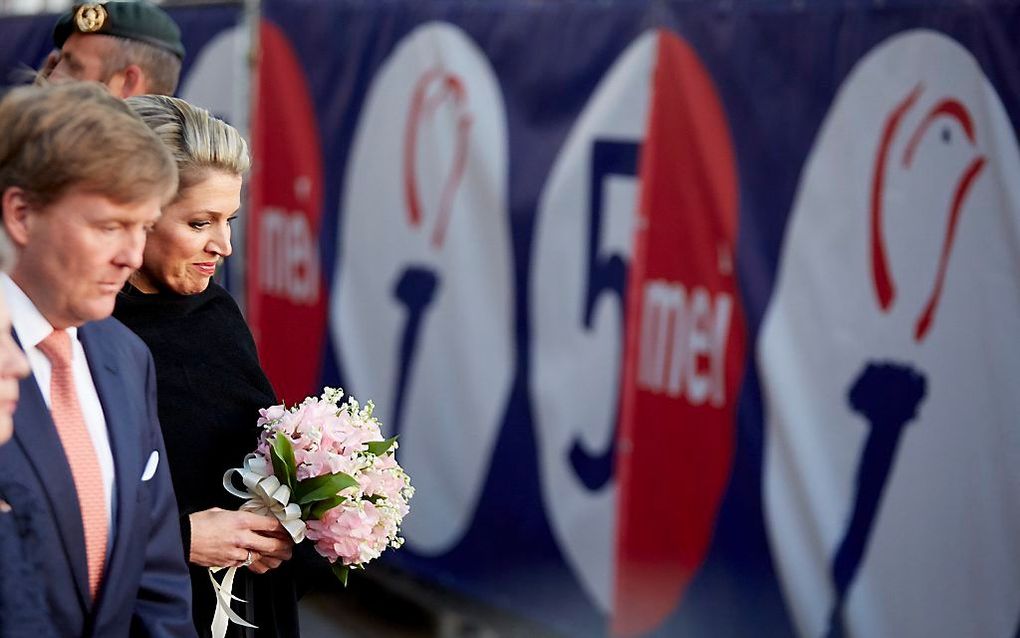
[[322, 487], [341, 572], [381, 447], [375, 498], [318, 509], [284, 465]]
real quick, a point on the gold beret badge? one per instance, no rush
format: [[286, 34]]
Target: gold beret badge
[[90, 17]]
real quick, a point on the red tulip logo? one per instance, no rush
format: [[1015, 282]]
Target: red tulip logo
[[885, 287], [433, 90]]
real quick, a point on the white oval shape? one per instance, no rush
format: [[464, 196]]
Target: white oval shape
[[433, 123], [944, 543]]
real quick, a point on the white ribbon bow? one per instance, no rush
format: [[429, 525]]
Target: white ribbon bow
[[266, 496]]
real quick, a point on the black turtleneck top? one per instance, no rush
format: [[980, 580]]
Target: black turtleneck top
[[210, 388]]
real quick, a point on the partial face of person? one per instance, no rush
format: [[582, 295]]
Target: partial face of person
[[192, 237], [13, 366], [77, 253], [82, 59]]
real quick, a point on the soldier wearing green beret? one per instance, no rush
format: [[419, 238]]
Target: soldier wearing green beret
[[132, 47]]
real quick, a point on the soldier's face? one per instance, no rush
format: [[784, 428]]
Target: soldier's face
[[82, 59]]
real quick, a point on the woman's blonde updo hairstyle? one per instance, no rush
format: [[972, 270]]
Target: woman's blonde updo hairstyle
[[198, 141]]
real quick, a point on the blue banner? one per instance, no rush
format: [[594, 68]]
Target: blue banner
[[672, 303], [683, 312], [693, 318]]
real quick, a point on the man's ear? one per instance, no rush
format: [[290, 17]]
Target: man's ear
[[134, 82], [16, 213]]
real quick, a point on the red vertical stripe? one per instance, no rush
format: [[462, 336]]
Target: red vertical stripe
[[676, 452]]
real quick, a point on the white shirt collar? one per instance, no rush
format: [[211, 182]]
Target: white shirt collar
[[29, 324]]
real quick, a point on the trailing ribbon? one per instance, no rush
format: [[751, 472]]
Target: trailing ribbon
[[224, 614], [267, 496]]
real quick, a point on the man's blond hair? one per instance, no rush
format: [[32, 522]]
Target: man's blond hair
[[79, 137]]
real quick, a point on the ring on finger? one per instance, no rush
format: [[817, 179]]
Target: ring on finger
[[248, 560]]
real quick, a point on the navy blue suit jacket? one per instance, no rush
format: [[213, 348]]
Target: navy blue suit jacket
[[146, 589]]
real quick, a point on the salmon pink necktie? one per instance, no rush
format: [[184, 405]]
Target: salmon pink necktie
[[80, 453]]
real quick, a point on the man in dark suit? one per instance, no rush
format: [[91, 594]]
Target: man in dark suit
[[81, 182]]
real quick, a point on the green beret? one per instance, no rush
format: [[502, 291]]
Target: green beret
[[135, 20]]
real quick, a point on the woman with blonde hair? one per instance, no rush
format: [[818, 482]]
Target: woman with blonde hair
[[210, 385]]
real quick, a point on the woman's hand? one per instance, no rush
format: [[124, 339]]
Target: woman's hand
[[222, 538], [272, 560]]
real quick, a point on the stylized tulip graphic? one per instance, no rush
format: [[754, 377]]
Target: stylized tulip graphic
[[435, 87], [888, 385], [422, 305], [885, 288], [888, 395]]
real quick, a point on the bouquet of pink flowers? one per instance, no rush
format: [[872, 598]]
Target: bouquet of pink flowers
[[323, 468]]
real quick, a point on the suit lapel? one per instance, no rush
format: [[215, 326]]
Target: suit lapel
[[37, 437], [123, 433]]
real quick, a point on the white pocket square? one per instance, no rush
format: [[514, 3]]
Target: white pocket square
[[150, 466]]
